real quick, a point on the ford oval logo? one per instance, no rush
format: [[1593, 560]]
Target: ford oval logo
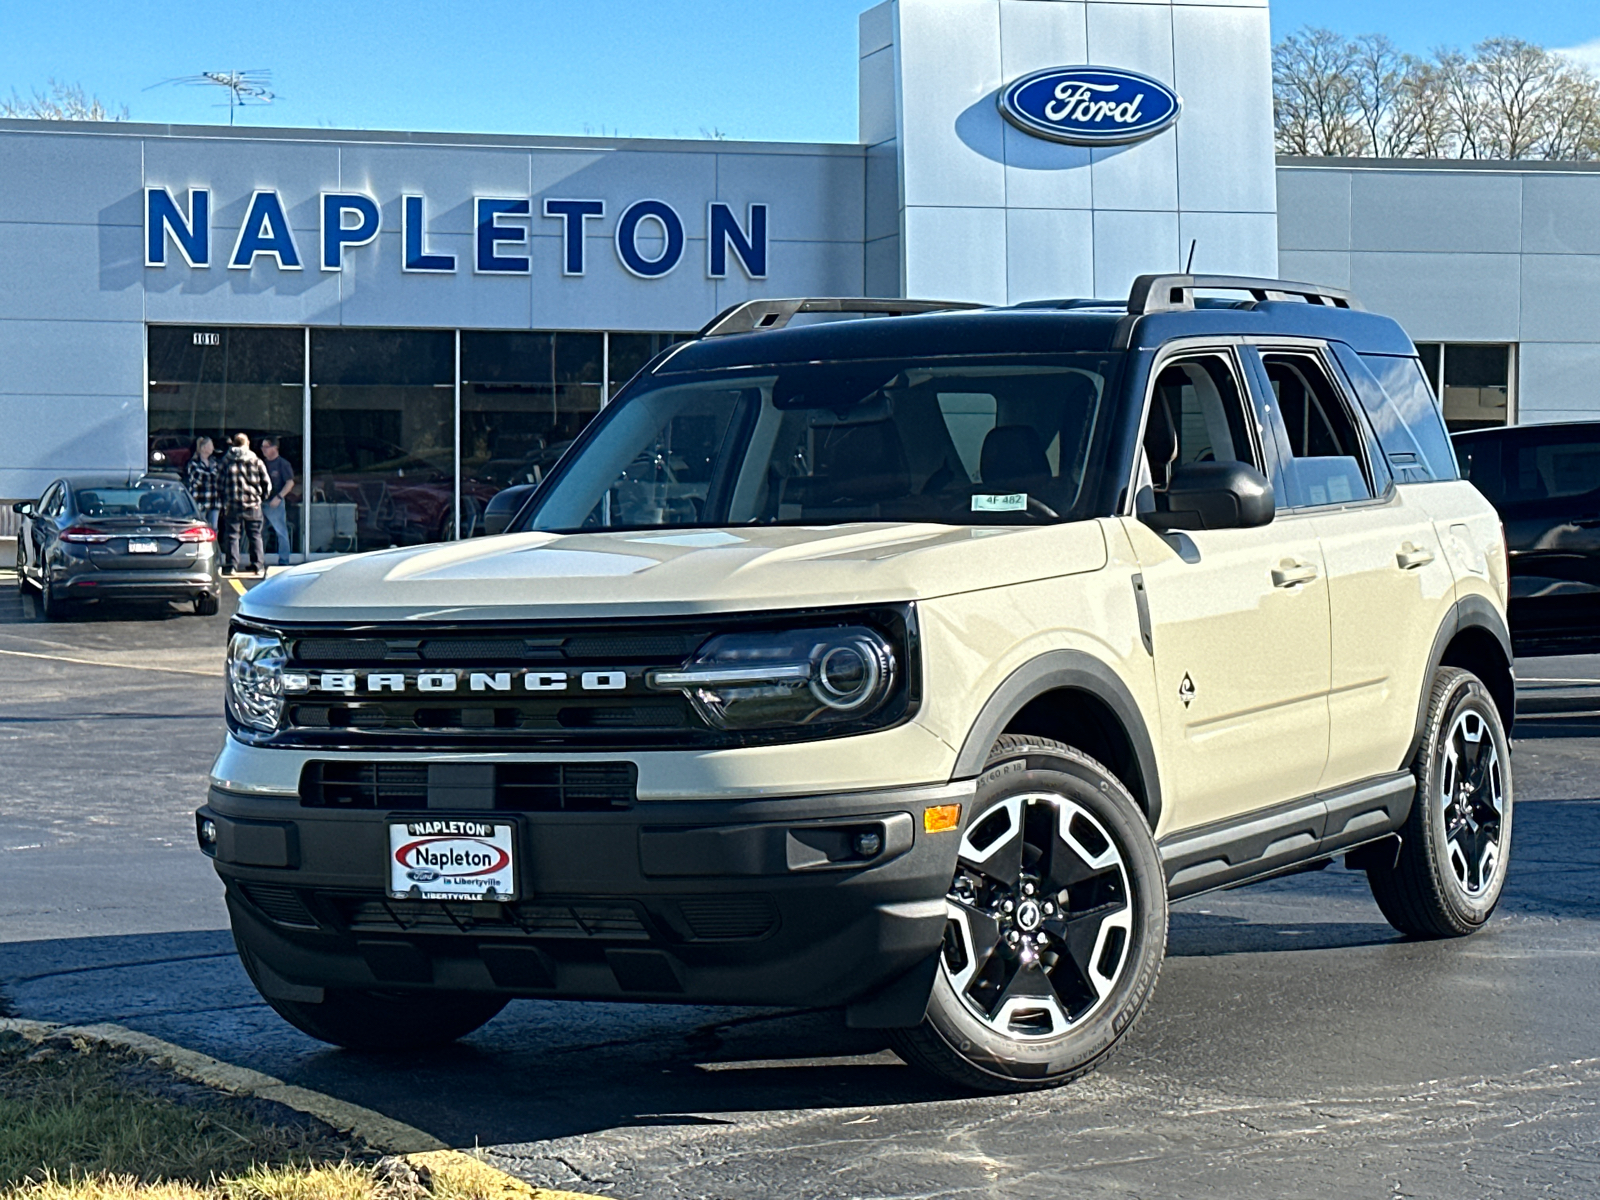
[[1090, 106]]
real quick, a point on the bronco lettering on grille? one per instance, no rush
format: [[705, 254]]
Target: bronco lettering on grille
[[452, 682]]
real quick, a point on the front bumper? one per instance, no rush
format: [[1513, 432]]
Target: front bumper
[[711, 902]]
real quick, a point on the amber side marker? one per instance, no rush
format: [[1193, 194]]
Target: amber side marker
[[941, 818]]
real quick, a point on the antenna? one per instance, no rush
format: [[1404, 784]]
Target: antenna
[[1189, 266], [243, 87]]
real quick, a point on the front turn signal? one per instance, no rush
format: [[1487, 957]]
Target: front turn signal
[[941, 818]]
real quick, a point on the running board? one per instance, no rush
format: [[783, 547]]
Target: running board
[[1264, 843]]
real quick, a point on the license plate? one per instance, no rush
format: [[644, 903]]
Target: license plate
[[452, 859], [143, 547]]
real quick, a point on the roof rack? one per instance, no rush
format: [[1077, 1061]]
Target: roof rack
[[1175, 293], [756, 315]]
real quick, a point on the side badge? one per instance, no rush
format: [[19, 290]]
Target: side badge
[[1186, 690]]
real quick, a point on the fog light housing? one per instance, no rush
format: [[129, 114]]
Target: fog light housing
[[869, 843], [206, 830]]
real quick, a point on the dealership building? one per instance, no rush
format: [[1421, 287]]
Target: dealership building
[[422, 319]]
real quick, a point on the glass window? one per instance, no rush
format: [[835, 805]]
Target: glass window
[[631, 351], [215, 383], [145, 497], [1532, 464], [1404, 412], [1429, 355], [819, 443], [383, 469], [1326, 462], [1477, 386], [524, 397]]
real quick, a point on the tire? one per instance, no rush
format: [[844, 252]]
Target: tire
[[1455, 846], [376, 1021], [55, 608], [983, 1031], [207, 606], [24, 585]]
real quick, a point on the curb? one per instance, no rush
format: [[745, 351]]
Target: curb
[[382, 1133]]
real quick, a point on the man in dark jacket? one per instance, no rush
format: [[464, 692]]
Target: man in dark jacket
[[245, 484]]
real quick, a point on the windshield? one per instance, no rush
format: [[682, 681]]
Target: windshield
[[145, 498], [953, 441]]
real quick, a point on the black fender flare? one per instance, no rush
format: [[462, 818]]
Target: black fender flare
[[1469, 612], [1052, 671]]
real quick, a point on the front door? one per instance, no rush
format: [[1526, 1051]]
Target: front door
[[1239, 617]]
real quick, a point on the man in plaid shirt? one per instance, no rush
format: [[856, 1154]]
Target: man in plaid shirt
[[245, 484], [203, 483]]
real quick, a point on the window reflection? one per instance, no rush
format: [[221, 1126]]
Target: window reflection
[[382, 438], [1474, 380]]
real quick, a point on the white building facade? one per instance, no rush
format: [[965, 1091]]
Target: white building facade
[[421, 319]]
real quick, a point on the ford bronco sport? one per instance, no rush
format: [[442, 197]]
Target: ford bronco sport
[[911, 664]]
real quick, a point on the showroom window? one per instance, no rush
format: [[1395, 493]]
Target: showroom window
[[524, 397], [383, 459], [216, 382], [411, 431], [1474, 379]]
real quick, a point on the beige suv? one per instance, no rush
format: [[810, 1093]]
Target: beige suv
[[911, 664]]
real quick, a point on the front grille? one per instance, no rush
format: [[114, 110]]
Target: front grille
[[364, 785], [612, 920], [510, 787], [280, 903]]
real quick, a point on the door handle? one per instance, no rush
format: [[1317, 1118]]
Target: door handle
[[1291, 573], [1411, 557]]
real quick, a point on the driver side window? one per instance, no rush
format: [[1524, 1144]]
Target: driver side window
[[1197, 414]]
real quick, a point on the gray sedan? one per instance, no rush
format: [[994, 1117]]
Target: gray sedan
[[93, 538]]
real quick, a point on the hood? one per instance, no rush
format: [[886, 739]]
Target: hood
[[527, 576]]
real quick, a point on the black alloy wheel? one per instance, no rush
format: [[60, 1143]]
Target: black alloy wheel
[[23, 583], [55, 608], [1455, 846], [1057, 925]]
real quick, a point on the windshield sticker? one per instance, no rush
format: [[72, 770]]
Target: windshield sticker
[[1012, 502]]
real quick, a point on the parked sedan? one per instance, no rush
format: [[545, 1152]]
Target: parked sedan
[[95, 538], [1545, 482]]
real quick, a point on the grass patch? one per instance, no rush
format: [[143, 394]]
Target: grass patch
[[70, 1110], [82, 1121]]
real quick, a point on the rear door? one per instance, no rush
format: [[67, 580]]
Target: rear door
[[1238, 617], [1390, 585]]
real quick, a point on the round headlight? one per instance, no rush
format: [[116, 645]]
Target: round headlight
[[254, 680], [847, 676]]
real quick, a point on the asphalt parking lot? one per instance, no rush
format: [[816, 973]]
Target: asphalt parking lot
[[1296, 1046]]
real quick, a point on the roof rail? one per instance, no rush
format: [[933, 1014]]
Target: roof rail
[[1175, 293], [756, 315]]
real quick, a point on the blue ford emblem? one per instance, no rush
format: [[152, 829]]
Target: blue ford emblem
[[1090, 106]]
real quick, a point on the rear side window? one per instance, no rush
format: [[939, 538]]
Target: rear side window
[[1533, 464], [1404, 414], [1326, 463]]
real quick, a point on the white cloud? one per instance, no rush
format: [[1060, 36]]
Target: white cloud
[[1588, 54]]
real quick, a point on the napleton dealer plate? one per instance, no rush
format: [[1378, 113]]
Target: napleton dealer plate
[[451, 859]]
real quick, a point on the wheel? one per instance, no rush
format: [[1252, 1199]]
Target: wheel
[[358, 1019], [1455, 846], [207, 606], [1057, 926], [55, 608], [23, 585]]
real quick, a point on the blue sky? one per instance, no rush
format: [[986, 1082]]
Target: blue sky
[[755, 69]]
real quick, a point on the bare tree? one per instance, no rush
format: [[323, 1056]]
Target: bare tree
[[1314, 100], [60, 102], [1509, 99]]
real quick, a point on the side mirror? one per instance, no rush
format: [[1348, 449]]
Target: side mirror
[[1214, 495], [23, 508], [503, 506]]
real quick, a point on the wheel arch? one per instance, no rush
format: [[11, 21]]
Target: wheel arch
[[1475, 638], [1074, 698]]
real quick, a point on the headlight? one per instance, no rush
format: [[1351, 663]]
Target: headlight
[[771, 680], [255, 680]]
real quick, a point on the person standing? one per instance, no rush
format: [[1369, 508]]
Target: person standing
[[245, 486], [277, 509], [204, 485]]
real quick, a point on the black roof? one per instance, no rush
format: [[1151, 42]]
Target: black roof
[[1047, 327]]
